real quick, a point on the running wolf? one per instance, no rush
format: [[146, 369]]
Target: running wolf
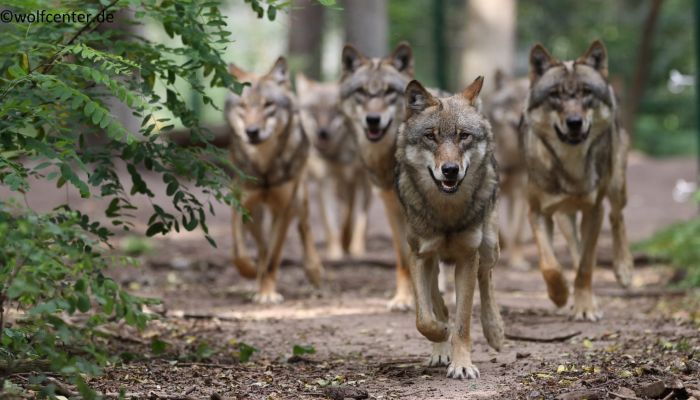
[[576, 155], [334, 166], [447, 182], [371, 92], [269, 145], [504, 109]]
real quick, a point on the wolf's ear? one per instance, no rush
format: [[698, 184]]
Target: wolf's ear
[[352, 59], [402, 58], [238, 73], [279, 71], [596, 57], [471, 93], [499, 79], [302, 82], [540, 61], [418, 98]]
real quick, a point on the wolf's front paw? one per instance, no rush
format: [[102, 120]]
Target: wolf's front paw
[[623, 272], [334, 252], [440, 355], [401, 302], [462, 371], [585, 307], [268, 298], [357, 248], [315, 274]]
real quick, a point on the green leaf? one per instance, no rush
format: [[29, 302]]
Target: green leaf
[[158, 346], [83, 303], [158, 227], [245, 351], [16, 71], [299, 350]]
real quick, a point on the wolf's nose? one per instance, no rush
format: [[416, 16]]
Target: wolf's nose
[[450, 170], [373, 119], [574, 123], [253, 132], [322, 133]]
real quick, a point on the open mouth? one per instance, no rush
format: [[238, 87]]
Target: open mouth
[[447, 185], [375, 134], [571, 139]]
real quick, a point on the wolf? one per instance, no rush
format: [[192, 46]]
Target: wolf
[[576, 156], [334, 166], [269, 145], [447, 183], [371, 92], [504, 108]]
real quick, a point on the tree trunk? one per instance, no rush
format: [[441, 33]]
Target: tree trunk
[[366, 26], [306, 36], [641, 75], [489, 39]]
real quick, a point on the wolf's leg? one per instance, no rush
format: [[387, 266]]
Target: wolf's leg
[[428, 323], [256, 229], [461, 366], [441, 350], [241, 258], [491, 321], [359, 231], [551, 270], [585, 307], [312, 263], [519, 215], [268, 266], [623, 262], [326, 199], [346, 194], [567, 225], [403, 299]]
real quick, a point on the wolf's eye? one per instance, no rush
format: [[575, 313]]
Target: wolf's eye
[[268, 104], [465, 136], [430, 135], [554, 94], [586, 90]]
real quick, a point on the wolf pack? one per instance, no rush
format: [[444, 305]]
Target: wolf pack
[[548, 146]]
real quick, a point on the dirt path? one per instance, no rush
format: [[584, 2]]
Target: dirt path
[[643, 337]]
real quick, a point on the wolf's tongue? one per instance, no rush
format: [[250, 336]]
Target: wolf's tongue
[[374, 132], [449, 184]]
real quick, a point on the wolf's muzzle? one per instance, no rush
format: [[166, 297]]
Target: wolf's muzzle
[[573, 136], [451, 183]]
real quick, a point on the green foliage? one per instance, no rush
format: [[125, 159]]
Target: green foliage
[[51, 268], [300, 350], [58, 87], [680, 244], [245, 351]]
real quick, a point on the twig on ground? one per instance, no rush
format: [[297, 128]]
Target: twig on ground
[[207, 365], [622, 396], [538, 339]]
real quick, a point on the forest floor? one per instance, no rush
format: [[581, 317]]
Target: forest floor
[[646, 346]]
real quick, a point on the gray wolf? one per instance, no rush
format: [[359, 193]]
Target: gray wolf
[[269, 145], [371, 92], [504, 109], [576, 155], [334, 166], [447, 182]]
